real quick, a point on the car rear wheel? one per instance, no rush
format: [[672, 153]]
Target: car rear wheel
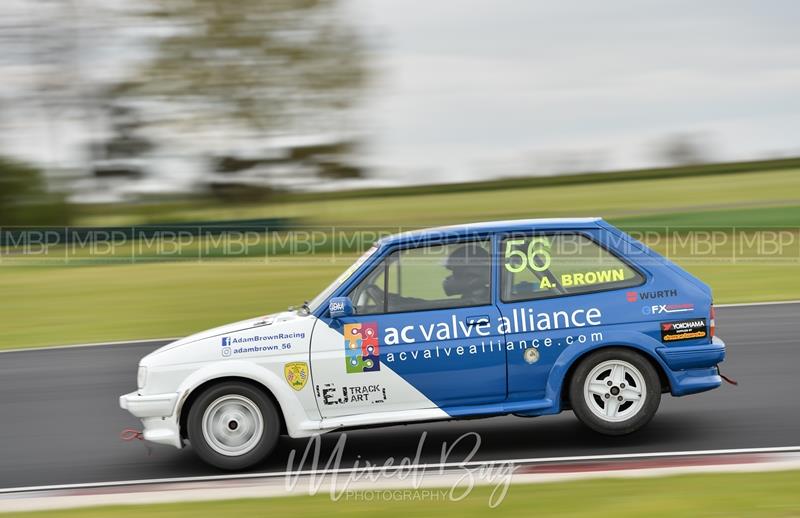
[[615, 391], [233, 425]]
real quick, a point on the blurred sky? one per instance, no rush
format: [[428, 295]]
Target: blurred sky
[[468, 89]]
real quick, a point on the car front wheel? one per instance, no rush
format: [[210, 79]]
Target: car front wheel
[[615, 391], [233, 425]]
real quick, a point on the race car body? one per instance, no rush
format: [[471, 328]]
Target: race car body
[[523, 317]]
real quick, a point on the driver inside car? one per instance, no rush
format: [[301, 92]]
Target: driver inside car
[[469, 277]]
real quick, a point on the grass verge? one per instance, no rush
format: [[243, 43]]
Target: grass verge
[[613, 201]]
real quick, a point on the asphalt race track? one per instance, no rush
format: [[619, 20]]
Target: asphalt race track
[[60, 420]]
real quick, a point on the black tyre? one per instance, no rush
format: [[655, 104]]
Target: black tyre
[[615, 391], [233, 425]]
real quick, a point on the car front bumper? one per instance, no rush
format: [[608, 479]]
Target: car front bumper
[[158, 415]]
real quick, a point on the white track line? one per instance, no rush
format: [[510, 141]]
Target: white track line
[[149, 340], [441, 466]]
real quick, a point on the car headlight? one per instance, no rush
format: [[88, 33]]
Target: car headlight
[[141, 377]]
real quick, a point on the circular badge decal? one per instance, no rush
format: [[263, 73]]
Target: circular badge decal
[[531, 355]]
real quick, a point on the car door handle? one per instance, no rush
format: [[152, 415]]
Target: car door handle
[[477, 320]]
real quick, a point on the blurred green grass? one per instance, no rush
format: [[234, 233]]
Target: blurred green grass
[[63, 304], [77, 304], [611, 200], [740, 218], [732, 494]]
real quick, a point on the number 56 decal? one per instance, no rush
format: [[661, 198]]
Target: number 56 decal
[[537, 257]]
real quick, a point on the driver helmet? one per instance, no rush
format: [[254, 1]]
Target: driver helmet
[[469, 267]]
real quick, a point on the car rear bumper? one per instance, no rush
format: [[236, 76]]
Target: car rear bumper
[[693, 356], [157, 413], [693, 368]]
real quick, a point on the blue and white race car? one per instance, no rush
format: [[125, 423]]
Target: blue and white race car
[[527, 317]]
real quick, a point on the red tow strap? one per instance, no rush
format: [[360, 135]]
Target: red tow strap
[[729, 380], [129, 434]]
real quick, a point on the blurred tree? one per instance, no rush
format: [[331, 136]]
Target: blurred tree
[[24, 199], [251, 69], [121, 154], [257, 62], [234, 175], [683, 149], [150, 89]]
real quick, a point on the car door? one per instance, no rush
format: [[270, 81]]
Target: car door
[[553, 295], [424, 335]]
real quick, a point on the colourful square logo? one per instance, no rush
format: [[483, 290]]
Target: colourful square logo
[[361, 350]]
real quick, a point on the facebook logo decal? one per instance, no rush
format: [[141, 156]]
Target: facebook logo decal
[[226, 340]]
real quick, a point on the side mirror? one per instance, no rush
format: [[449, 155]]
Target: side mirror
[[339, 307]]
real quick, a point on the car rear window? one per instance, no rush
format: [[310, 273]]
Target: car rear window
[[559, 264]]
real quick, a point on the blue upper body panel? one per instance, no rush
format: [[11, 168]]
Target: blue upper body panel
[[504, 379]]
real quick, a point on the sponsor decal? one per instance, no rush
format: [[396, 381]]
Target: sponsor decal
[[492, 346], [371, 394], [531, 355], [227, 340], [683, 330], [361, 350], [276, 342], [521, 320], [296, 374], [667, 308], [633, 296]]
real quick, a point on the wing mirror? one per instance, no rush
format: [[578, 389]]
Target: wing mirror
[[340, 307]]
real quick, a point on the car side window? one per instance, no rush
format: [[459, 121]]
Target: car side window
[[429, 277], [560, 264]]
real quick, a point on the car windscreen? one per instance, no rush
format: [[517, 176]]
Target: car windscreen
[[327, 292]]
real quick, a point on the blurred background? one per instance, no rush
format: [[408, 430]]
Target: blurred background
[[157, 150], [119, 101]]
